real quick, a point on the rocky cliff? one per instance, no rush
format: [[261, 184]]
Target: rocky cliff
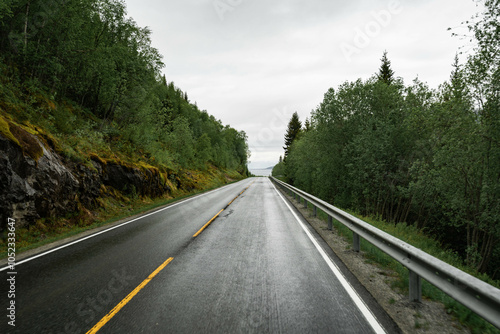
[[36, 181]]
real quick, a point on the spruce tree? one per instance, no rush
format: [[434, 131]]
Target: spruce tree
[[307, 125], [294, 128], [386, 74]]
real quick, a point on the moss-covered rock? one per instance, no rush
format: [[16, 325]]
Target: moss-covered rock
[[38, 183], [34, 181], [5, 131]]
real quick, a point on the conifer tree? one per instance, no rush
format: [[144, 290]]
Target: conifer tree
[[307, 125], [294, 128], [386, 74]]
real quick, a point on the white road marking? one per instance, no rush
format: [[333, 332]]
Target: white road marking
[[109, 229], [377, 327]]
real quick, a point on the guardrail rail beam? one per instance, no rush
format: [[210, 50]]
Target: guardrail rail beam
[[479, 296]]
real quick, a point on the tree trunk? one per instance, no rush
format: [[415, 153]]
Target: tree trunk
[[26, 26], [408, 209], [469, 244], [486, 252]]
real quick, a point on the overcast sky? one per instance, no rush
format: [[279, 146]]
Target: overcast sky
[[252, 63]]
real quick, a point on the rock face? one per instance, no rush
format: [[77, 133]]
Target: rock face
[[33, 189], [133, 180], [35, 182]]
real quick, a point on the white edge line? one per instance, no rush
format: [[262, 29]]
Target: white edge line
[[370, 317], [109, 229]]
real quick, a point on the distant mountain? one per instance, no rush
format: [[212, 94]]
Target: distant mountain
[[260, 165]]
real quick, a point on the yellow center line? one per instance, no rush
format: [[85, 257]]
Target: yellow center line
[[209, 222], [218, 213], [131, 295]]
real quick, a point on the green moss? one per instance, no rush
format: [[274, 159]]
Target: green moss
[[51, 141], [22, 138], [97, 158], [5, 131], [28, 142]]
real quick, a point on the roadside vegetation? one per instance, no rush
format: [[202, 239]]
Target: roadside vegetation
[[85, 80], [413, 155], [421, 164], [399, 274], [86, 73]]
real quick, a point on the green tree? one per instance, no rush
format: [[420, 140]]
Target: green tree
[[204, 152], [386, 74], [307, 125], [181, 142], [300, 168], [92, 53], [482, 74], [411, 154], [279, 169], [293, 130], [5, 10]]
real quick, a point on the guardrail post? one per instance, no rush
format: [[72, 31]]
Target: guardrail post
[[415, 287], [315, 211], [305, 203], [330, 222], [355, 242]]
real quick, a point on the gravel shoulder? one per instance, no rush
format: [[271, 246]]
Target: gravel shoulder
[[425, 317]]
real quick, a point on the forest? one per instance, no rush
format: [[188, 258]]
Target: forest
[[87, 70], [409, 154]]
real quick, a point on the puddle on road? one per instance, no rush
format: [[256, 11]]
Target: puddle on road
[[227, 213]]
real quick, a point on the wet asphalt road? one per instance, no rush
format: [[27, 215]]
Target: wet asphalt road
[[253, 270]]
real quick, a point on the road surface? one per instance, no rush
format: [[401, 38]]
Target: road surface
[[257, 268]]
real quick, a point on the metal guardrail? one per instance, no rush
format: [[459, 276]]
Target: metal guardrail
[[477, 295]]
